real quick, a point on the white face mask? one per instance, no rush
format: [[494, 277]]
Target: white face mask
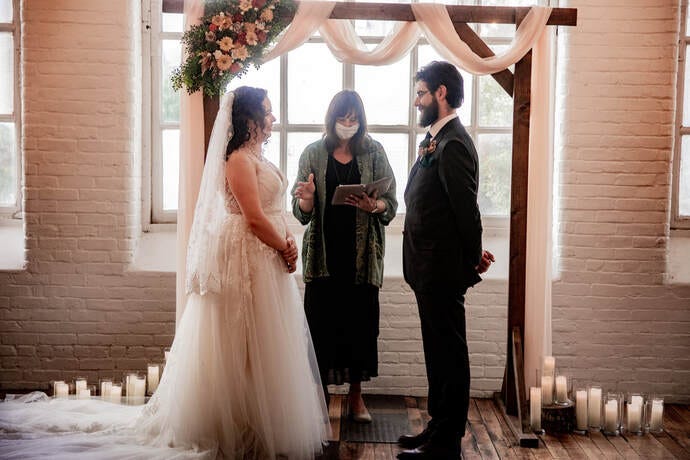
[[346, 132]]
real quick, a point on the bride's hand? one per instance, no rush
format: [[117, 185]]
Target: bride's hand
[[290, 254], [305, 190]]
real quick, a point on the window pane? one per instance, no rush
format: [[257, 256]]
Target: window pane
[[386, 99], [267, 77], [502, 30], [171, 167], [314, 76], [170, 99], [396, 151], [296, 142], [686, 90], [428, 54], [6, 73], [684, 179], [495, 106], [8, 165], [5, 10], [494, 173], [172, 22]]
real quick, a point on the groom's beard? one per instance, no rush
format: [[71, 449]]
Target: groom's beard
[[429, 114]]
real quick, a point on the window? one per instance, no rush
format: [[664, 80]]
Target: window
[[10, 164], [300, 91], [680, 215]]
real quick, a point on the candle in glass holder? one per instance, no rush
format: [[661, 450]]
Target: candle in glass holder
[[115, 392], [657, 414], [84, 393], [140, 387], [549, 366], [634, 417], [79, 384], [561, 389], [61, 390], [581, 410], [106, 385], [535, 408], [546, 390], [594, 407], [611, 416], [129, 385], [153, 377]]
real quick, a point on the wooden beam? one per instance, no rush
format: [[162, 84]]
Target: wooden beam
[[403, 12], [476, 44]]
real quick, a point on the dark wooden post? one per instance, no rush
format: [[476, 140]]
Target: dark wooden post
[[211, 106]]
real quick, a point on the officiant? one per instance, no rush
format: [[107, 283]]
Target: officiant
[[343, 246]]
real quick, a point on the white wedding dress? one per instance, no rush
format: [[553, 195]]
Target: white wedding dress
[[241, 380]]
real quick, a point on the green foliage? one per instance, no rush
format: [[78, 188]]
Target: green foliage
[[233, 35]]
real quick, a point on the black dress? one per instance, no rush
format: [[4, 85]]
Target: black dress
[[343, 316]]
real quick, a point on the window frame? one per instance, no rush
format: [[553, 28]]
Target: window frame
[[679, 222], [14, 211], [154, 172]]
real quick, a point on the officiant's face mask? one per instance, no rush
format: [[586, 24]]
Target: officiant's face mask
[[346, 132]]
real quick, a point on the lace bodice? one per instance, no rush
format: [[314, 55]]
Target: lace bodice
[[272, 187]]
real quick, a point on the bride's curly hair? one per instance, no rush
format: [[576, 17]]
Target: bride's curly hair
[[248, 105]]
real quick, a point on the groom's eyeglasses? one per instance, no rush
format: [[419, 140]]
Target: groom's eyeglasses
[[420, 94]]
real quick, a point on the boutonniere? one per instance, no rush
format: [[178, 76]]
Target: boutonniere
[[426, 148]]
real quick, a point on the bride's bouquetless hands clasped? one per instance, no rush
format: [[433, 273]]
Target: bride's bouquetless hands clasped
[[290, 254]]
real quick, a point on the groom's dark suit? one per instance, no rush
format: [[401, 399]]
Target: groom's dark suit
[[442, 245]]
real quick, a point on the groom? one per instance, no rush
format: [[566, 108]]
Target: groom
[[442, 256]]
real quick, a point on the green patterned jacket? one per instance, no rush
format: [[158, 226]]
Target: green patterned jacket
[[370, 232]]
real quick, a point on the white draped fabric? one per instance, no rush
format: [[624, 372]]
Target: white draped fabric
[[433, 21], [191, 164]]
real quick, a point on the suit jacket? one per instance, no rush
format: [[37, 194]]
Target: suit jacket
[[442, 237]]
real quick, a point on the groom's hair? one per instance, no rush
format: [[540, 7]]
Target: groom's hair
[[247, 105], [344, 103], [438, 73]]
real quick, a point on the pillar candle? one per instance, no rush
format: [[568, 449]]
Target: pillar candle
[[140, 387], [167, 353], [634, 417], [535, 408], [105, 388], [581, 409], [79, 384], [637, 399], [153, 377], [611, 416], [115, 393], [61, 390], [594, 407], [84, 393], [547, 390], [549, 366], [129, 385], [561, 388], [657, 415]]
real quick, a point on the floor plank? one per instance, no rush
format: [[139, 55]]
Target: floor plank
[[672, 446], [623, 447], [501, 442], [647, 446], [608, 450], [335, 412], [571, 446], [554, 446]]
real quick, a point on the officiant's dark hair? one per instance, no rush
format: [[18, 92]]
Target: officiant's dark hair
[[247, 105], [438, 73], [344, 103]]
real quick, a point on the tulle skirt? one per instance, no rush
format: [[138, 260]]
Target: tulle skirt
[[241, 380]]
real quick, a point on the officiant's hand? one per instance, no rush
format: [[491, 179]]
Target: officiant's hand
[[363, 201], [305, 190], [485, 263]]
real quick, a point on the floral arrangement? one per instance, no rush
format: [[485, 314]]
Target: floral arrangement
[[233, 35]]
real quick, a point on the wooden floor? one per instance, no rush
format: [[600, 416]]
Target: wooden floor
[[488, 437]]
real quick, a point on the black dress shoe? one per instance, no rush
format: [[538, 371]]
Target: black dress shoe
[[431, 451], [412, 441]]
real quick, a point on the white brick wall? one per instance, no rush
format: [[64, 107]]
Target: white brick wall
[[614, 321], [77, 310]]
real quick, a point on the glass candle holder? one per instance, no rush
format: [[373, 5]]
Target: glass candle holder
[[140, 387], [594, 400], [104, 386], [581, 407], [563, 389], [79, 384], [60, 389], [655, 414], [115, 392], [153, 378], [535, 402], [613, 405], [634, 416], [130, 380]]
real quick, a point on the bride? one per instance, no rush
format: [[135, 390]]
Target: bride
[[241, 380]]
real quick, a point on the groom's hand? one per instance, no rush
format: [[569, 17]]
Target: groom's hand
[[485, 263]]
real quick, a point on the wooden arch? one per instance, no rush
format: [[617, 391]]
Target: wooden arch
[[513, 395]]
